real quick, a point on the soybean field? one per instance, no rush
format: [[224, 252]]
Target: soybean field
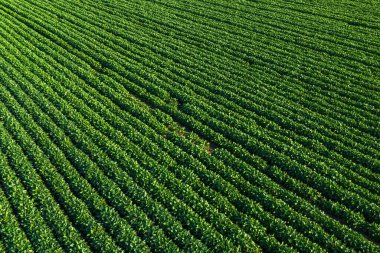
[[189, 126]]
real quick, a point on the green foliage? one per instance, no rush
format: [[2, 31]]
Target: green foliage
[[198, 126]]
